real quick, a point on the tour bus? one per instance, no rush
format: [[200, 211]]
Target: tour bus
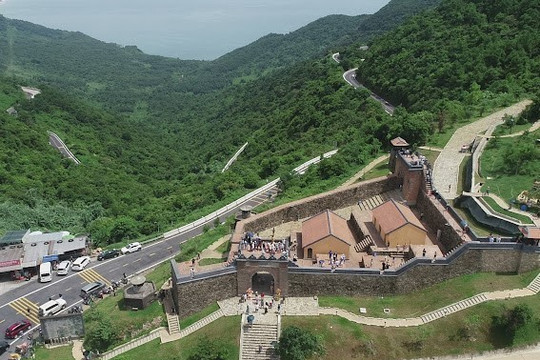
[[45, 272]]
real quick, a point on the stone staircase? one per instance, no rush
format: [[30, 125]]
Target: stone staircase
[[201, 323], [256, 335], [364, 244], [450, 309], [173, 323], [534, 286], [374, 201]]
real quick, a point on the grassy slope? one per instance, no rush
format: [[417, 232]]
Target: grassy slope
[[432, 298], [226, 330], [347, 340]]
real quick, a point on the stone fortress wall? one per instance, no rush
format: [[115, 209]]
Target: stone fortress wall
[[195, 294]]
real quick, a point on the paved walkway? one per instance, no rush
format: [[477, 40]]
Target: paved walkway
[[366, 169], [446, 167], [529, 353], [533, 127], [505, 205], [309, 306]]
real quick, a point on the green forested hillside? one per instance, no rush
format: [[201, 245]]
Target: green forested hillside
[[152, 151], [464, 51]]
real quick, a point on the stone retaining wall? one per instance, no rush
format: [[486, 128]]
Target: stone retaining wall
[[416, 278], [333, 200], [193, 296], [449, 239]]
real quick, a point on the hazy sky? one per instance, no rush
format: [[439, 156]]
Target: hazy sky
[[201, 29]]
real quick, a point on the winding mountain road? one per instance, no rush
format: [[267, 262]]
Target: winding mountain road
[[350, 77]]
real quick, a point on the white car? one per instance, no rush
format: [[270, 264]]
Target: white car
[[131, 248], [51, 307], [63, 267], [80, 263]]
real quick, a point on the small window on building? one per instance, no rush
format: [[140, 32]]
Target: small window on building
[[310, 253]]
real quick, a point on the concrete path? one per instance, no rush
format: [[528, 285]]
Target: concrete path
[[309, 306], [77, 351], [366, 169], [529, 353], [446, 167], [533, 127], [505, 205]]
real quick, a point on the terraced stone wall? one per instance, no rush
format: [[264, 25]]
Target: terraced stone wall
[[313, 205], [193, 296], [510, 259]]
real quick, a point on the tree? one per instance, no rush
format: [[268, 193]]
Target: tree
[[298, 344], [101, 334], [514, 325], [207, 349]]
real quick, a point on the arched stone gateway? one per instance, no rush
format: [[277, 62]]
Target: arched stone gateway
[[263, 282]]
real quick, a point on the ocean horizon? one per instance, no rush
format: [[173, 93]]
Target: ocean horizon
[[182, 29]]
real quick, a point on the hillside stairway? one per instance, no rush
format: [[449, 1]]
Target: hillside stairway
[[173, 324], [450, 309], [262, 333], [534, 286]]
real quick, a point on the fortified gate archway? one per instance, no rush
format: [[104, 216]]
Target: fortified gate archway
[[262, 275], [263, 282]]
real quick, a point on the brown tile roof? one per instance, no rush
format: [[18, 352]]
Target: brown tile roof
[[399, 141], [531, 232], [326, 223], [392, 215]]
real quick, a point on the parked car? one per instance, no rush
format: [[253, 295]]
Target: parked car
[[4, 345], [92, 289], [17, 329], [63, 267], [132, 247], [80, 263], [108, 254], [52, 306]]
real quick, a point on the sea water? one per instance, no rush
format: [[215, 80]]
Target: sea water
[[201, 29]]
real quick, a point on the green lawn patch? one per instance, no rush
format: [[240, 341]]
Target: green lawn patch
[[496, 208], [192, 319], [224, 248], [464, 332], [192, 247], [430, 155], [60, 352], [211, 261], [377, 171], [226, 330], [160, 274], [128, 321], [507, 130], [432, 298], [502, 179]]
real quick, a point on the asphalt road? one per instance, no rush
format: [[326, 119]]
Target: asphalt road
[[23, 302], [60, 146], [350, 77]]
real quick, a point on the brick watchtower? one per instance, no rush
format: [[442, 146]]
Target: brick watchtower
[[407, 166], [397, 144]]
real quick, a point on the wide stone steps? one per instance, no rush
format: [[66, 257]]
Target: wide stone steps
[[256, 335], [202, 323], [534, 286], [450, 309], [173, 323]]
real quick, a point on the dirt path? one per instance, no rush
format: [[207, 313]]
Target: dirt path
[[366, 169]]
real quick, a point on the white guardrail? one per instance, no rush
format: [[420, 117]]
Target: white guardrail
[[210, 217]]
